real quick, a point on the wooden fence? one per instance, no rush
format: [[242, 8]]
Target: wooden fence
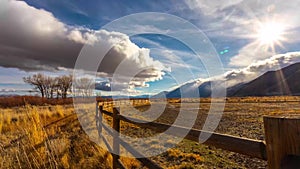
[[281, 148]]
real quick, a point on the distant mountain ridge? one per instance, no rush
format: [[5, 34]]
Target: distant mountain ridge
[[285, 81], [189, 90]]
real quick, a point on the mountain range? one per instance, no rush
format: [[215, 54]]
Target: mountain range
[[272, 83]]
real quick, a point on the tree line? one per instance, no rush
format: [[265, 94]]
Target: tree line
[[50, 87]]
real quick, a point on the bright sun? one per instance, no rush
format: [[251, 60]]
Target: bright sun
[[270, 34]]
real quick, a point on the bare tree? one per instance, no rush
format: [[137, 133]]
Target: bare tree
[[64, 85], [38, 81], [85, 87], [49, 86]]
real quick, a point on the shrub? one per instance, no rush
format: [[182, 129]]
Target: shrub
[[17, 101]]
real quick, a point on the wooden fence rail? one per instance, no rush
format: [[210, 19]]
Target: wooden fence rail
[[282, 137]]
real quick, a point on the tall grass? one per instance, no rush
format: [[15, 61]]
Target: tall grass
[[31, 146], [35, 131], [26, 143], [1, 122]]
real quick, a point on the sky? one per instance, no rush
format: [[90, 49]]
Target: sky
[[248, 38]]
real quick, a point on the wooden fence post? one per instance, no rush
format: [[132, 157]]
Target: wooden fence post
[[282, 141], [99, 119], [97, 105], [116, 141]]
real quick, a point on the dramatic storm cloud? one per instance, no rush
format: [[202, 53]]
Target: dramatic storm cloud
[[33, 39]]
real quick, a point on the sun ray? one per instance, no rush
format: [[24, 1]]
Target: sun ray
[[270, 34]]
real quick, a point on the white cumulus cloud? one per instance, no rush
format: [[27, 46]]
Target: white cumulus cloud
[[257, 68]]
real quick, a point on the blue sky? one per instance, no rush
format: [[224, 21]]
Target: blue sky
[[41, 36]]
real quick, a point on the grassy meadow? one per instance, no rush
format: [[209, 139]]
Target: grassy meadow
[[50, 136]]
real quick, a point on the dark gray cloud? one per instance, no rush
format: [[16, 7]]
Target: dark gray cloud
[[33, 39], [104, 86]]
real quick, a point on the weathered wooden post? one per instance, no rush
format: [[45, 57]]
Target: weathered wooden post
[[100, 120], [99, 109], [116, 141], [282, 141]]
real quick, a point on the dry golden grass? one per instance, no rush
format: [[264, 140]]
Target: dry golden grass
[[131, 163], [25, 142], [183, 158], [1, 122]]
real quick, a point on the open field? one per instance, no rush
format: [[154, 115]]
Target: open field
[[51, 136]]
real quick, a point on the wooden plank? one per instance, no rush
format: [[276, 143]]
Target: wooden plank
[[147, 162], [250, 147], [283, 141], [106, 143], [107, 113], [121, 165]]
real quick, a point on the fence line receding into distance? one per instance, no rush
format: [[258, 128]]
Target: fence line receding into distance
[[281, 148]]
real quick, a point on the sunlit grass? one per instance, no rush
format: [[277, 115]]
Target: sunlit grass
[[25, 142], [65, 145]]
